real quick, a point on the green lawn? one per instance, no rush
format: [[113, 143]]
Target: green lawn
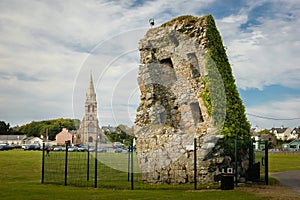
[[279, 162], [20, 178]]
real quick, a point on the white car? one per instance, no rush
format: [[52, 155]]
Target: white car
[[57, 148], [73, 148], [117, 145]]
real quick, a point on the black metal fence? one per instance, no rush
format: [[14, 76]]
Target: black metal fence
[[259, 167], [120, 169]]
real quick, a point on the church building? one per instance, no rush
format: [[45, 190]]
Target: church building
[[89, 129]]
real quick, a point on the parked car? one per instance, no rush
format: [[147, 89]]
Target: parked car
[[4, 147], [274, 150], [57, 148], [117, 145], [102, 150], [91, 149], [15, 146], [32, 147], [82, 149], [45, 147], [51, 148], [119, 150], [74, 148]]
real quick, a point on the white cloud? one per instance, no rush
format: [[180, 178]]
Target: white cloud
[[264, 54], [285, 112]]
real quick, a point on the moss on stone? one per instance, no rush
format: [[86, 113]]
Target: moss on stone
[[186, 19]]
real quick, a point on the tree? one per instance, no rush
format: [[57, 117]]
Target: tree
[[122, 134], [4, 128], [48, 127], [265, 131]]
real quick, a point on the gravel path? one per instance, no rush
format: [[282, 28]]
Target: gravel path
[[289, 178]]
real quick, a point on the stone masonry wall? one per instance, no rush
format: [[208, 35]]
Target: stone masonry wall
[[172, 113]]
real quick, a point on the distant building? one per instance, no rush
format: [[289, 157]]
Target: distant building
[[35, 140], [292, 146], [89, 126], [64, 136], [259, 140], [281, 133], [13, 139], [108, 129], [268, 137], [295, 134]]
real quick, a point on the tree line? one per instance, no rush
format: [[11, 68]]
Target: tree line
[[37, 128], [123, 134]]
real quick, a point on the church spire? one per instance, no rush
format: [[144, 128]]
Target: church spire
[[89, 129], [91, 95]]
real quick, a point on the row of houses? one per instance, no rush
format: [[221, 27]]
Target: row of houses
[[16, 140], [60, 139], [282, 133], [285, 133], [293, 146]]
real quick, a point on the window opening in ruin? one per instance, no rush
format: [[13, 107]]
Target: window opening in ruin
[[196, 112], [167, 61]]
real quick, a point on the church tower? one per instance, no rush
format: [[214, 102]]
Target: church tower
[[89, 127]]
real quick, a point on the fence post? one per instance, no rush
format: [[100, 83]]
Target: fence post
[[43, 163], [128, 163], [195, 163], [88, 164], [251, 157], [266, 162], [96, 163], [66, 163], [131, 165], [235, 162]]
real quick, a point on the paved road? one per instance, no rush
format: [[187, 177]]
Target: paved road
[[289, 178]]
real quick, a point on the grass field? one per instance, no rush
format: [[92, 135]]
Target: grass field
[[20, 178], [279, 162]]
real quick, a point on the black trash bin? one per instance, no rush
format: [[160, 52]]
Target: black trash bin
[[227, 181]]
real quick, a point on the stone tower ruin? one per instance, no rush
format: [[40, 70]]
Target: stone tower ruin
[[185, 81]]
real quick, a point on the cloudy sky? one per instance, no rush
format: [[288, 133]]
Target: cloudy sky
[[49, 48]]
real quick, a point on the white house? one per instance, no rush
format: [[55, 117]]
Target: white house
[[36, 140], [282, 133], [295, 134], [12, 139]]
